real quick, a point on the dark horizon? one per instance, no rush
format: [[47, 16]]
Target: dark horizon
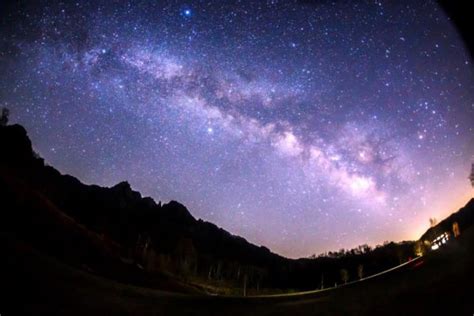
[[322, 129], [124, 253], [236, 157], [125, 188]]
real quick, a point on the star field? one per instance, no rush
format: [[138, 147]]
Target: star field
[[303, 126]]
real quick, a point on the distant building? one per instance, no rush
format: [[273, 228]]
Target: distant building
[[440, 240]]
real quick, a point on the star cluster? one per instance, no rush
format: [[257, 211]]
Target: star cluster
[[303, 126]]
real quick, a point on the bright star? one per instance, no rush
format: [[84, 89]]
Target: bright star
[[187, 13]]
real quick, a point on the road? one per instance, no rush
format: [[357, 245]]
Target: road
[[405, 265]]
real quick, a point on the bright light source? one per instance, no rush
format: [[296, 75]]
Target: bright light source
[[434, 247]]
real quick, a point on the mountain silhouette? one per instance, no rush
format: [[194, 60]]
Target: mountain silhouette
[[117, 233]]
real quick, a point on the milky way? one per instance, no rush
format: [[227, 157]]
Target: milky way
[[303, 126]]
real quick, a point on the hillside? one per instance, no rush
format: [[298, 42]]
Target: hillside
[[119, 216], [436, 284], [464, 218], [117, 233]]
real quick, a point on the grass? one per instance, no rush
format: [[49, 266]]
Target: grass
[[439, 283]]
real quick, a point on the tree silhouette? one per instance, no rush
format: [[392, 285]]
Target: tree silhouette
[[344, 275], [4, 117], [360, 271], [419, 248], [456, 231]]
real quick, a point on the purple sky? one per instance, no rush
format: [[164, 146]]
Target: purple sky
[[302, 126]]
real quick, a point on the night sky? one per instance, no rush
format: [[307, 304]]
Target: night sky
[[302, 126]]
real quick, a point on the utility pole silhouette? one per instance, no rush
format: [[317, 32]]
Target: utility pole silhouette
[[471, 177]]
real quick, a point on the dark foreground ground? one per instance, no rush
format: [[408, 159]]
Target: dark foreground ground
[[439, 283]]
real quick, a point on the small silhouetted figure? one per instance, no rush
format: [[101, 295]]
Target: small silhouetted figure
[[4, 117]]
